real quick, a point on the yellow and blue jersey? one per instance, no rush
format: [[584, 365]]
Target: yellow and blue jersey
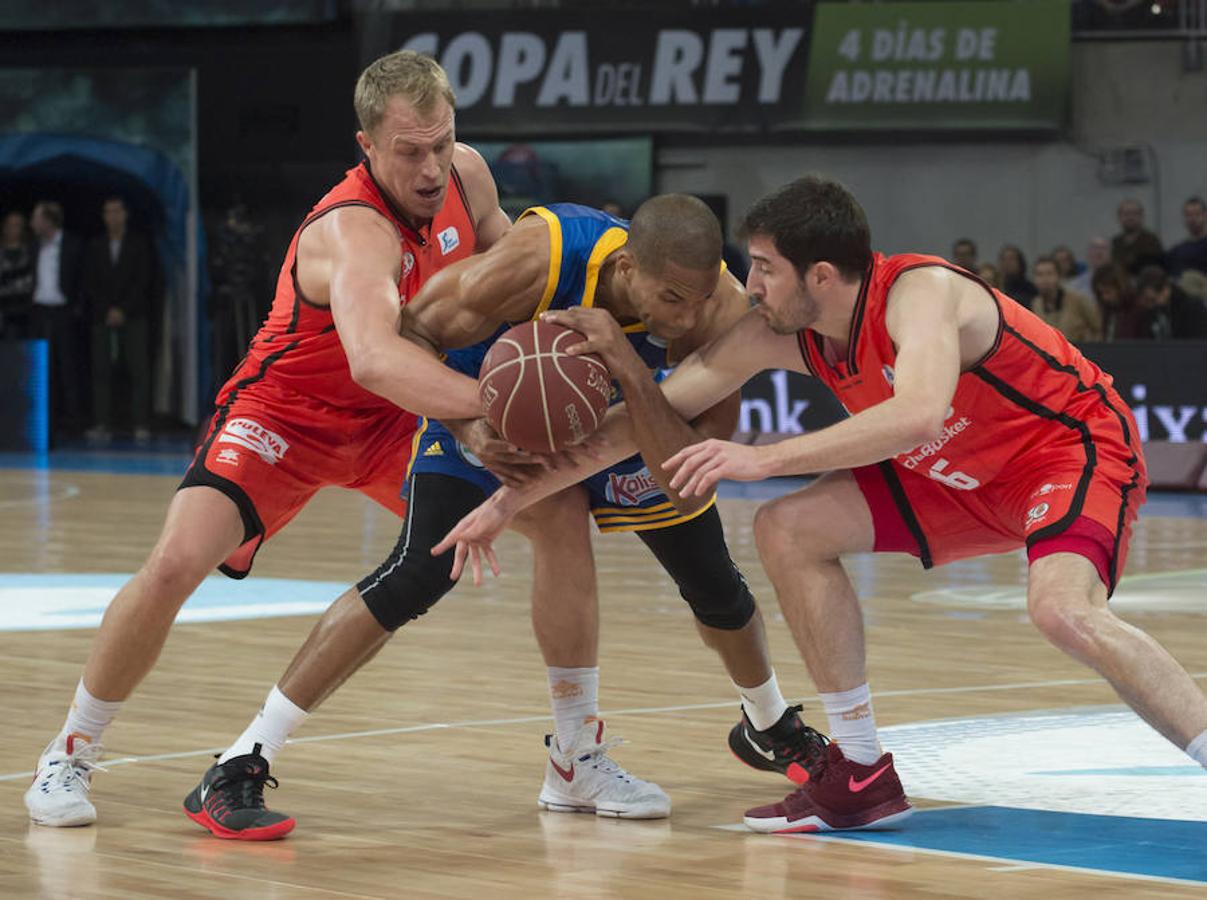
[[624, 497]]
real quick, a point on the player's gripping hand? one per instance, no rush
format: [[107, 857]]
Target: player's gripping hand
[[473, 537], [508, 463], [602, 336], [698, 467]]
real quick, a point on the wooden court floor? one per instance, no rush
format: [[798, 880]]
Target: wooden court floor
[[419, 778]]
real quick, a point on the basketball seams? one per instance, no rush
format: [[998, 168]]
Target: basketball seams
[[557, 365], [540, 379]]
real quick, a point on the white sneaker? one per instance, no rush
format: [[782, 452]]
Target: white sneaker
[[584, 779], [59, 794]]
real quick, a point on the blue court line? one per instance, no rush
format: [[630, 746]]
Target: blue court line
[[1155, 848], [109, 462]]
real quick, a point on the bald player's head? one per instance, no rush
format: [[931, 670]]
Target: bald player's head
[[675, 228]]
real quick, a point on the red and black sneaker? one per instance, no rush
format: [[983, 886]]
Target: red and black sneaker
[[230, 801], [844, 795], [789, 747]]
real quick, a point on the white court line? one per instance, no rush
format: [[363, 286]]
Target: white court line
[[66, 492], [636, 711]]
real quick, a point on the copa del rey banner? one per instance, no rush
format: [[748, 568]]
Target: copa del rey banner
[[552, 72]]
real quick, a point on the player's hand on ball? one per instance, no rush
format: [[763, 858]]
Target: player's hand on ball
[[602, 336], [698, 467], [508, 463], [472, 538]]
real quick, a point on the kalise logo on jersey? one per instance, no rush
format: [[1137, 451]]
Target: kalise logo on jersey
[[449, 240], [633, 489], [268, 445]]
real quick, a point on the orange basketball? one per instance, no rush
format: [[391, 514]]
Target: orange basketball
[[536, 395]]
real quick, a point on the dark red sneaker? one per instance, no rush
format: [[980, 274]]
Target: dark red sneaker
[[845, 795]]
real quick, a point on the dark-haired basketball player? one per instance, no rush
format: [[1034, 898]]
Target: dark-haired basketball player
[[975, 428], [660, 279]]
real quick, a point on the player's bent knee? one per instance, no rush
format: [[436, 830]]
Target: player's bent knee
[[725, 611], [176, 571], [406, 586], [1070, 625]]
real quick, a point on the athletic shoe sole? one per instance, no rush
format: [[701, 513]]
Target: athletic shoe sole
[[68, 822], [884, 817], [646, 811]]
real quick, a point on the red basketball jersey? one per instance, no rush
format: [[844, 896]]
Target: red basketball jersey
[[297, 346], [1032, 391]]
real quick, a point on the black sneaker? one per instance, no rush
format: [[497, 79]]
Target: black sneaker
[[230, 801], [789, 747]]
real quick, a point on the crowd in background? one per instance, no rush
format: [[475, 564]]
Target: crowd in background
[[95, 302], [1129, 287]]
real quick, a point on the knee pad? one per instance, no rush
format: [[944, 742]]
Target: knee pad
[[411, 580], [723, 603], [406, 585]]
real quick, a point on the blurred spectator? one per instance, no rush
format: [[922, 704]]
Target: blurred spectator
[[990, 275], [1013, 266], [1192, 252], [963, 254], [1116, 302], [1135, 246], [1074, 315], [16, 276], [1097, 255], [118, 270], [237, 270], [55, 313], [1168, 312], [1067, 265]]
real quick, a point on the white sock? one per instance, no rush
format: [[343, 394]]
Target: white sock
[[277, 719], [89, 716], [852, 724], [1197, 749], [764, 704], [574, 694]]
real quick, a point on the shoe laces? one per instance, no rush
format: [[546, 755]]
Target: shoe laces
[[242, 785], [76, 768], [805, 745], [604, 763]]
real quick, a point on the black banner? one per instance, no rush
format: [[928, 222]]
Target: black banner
[[1165, 385], [559, 72]]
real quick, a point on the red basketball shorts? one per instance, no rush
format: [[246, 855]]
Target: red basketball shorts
[[272, 450], [1065, 496]]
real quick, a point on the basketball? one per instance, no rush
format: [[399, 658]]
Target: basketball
[[536, 395]]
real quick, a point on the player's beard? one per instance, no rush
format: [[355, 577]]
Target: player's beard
[[802, 313]]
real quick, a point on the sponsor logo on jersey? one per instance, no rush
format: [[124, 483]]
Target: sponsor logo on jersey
[[434, 450], [888, 374], [449, 240], [913, 458], [408, 263], [632, 489], [1049, 488], [1037, 514], [268, 445], [227, 456]]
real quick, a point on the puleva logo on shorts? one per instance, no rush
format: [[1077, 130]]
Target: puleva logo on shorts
[[268, 445], [632, 489], [449, 240]]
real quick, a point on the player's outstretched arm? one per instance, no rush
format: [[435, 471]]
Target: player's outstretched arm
[[364, 259], [707, 376], [923, 323]]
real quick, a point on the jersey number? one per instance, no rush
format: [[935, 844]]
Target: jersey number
[[958, 480]]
